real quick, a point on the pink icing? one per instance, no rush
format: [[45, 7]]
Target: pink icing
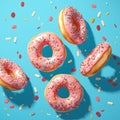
[[75, 91], [93, 57], [20, 78], [35, 51], [74, 25]]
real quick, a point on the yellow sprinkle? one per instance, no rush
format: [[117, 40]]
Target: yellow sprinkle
[[5, 19], [8, 38], [4, 108], [69, 61], [33, 13], [92, 20], [26, 19]]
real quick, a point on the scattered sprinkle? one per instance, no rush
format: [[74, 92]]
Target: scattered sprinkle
[[6, 101], [15, 39], [14, 27], [8, 38], [89, 108], [4, 108], [33, 13], [115, 79], [115, 25], [114, 57], [94, 6], [110, 103], [50, 18], [35, 90], [38, 27], [99, 14], [114, 84], [5, 19], [102, 22], [12, 106], [73, 69], [92, 20], [48, 114], [91, 117], [20, 56], [99, 89], [22, 4], [25, 19], [78, 52], [98, 114], [69, 61], [110, 80], [97, 98], [98, 78], [12, 14], [98, 27], [36, 97], [21, 106], [8, 114], [102, 110], [107, 13], [58, 115], [43, 79], [37, 75], [104, 38], [32, 114]]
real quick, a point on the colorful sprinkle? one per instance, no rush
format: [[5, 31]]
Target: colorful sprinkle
[[32, 114], [22, 4], [36, 97], [98, 78], [92, 20], [50, 18], [21, 106], [114, 57], [110, 80], [107, 13], [35, 90], [102, 22], [73, 69], [43, 79], [6, 101], [114, 84], [12, 106], [69, 61], [12, 14], [98, 114], [15, 39], [94, 6], [8, 38], [97, 98], [78, 52], [110, 103], [37, 75], [98, 27], [33, 13], [20, 56], [99, 14], [104, 38], [118, 63], [115, 25], [14, 27]]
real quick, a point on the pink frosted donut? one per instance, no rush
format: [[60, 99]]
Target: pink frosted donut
[[75, 92], [72, 25], [96, 59], [35, 51], [12, 76]]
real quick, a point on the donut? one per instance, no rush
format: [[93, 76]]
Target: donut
[[12, 76], [35, 46], [63, 104], [96, 59], [72, 25]]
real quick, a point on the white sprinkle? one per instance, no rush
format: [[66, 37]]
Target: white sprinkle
[[58, 115], [21, 106], [15, 39], [78, 52], [115, 79], [35, 90], [8, 38], [33, 13], [96, 85], [89, 108], [103, 23], [110, 103], [37, 75], [69, 61], [99, 89], [99, 14], [48, 114]]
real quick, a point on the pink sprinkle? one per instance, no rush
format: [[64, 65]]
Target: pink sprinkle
[[94, 6], [98, 114], [50, 18], [73, 69], [22, 4], [104, 38], [6, 101], [114, 57], [97, 99], [115, 25], [114, 84], [12, 106], [118, 63], [98, 27], [14, 27], [36, 97], [12, 14], [20, 56], [110, 80], [43, 79]]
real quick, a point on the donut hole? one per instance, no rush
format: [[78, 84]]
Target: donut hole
[[47, 51], [9, 72], [63, 92]]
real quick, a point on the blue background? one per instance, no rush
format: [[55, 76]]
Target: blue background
[[27, 29]]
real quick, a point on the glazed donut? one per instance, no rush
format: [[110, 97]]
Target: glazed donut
[[96, 59], [35, 51], [75, 92], [72, 25], [12, 76]]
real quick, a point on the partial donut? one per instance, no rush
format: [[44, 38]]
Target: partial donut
[[72, 25], [12, 76], [74, 88], [96, 59], [35, 47]]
